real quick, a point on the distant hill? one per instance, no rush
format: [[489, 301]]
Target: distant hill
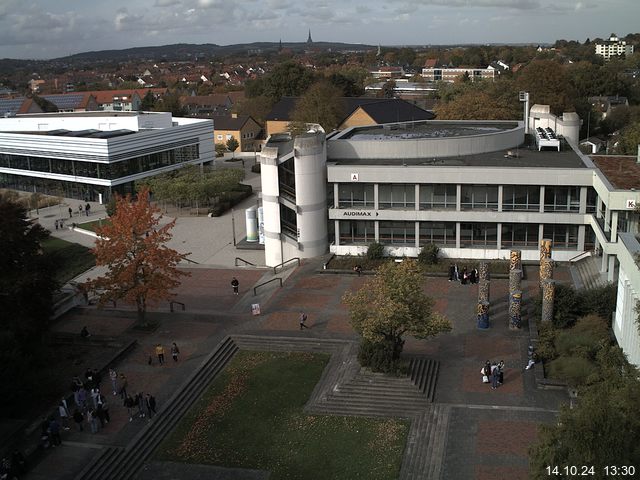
[[183, 51]]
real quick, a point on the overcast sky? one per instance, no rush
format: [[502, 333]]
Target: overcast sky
[[55, 28]]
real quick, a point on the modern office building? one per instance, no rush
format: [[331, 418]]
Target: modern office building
[[90, 155], [477, 189]]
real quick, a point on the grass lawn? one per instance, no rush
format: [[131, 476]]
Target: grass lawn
[[251, 417], [71, 259], [93, 224]]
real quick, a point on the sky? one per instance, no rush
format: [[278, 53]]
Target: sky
[[42, 29]]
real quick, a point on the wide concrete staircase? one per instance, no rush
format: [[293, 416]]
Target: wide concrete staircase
[[344, 389], [586, 273], [123, 463]]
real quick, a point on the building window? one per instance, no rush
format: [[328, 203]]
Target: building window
[[478, 235], [397, 233], [562, 199], [351, 195], [481, 197], [592, 200], [396, 196], [564, 237], [440, 233], [357, 232], [520, 197], [288, 222], [287, 179], [520, 235], [435, 197]]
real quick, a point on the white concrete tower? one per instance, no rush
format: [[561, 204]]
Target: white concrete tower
[[271, 206], [310, 157]]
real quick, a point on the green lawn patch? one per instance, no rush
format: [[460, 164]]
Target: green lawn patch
[[251, 417], [71, 259], [93, 225]]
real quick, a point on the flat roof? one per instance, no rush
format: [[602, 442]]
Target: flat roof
[[623, 172], [520, 157], [430, 129]]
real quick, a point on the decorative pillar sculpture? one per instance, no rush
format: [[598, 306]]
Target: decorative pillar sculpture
[[545, 248], [483, 271], [515, 316], [515, 260], [515, 280], [546, 269], [483, 291], [548, 294], [483, 315]]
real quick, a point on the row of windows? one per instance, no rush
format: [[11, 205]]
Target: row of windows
[[108, 171], [482, 197], [444, 234]]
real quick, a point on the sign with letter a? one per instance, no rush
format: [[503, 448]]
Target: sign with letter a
[[354, 177]]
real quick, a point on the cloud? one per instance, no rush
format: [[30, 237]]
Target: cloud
[[166, 3]]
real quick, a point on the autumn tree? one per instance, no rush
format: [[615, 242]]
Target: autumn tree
[[479, 101], [141, 269], [322, 104], [389, 306], [232, 145], [548, 84]]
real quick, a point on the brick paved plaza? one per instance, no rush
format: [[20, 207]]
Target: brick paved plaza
[[489, 432]]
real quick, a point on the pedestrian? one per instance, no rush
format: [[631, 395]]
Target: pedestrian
[[70, 212], [174, 352], [303, 319], [104, 407], [140, 403], [100, 415], [95, 394], [63, 411], [456, 273], [451, 271], [485, 371], [130, 404], [465, 276], [160, 353], [87, 207], [54, 432], [358, 269], [113, 375], [84, 333], [495, 376], [79, 209], [476, 275], [81, 400], [92, 419], [236, 285], [501, 372], [56, 223], [78, 418], [151, 404], [123, 386], [472, 276]]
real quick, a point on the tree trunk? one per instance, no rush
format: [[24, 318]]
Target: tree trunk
[[142, 312]]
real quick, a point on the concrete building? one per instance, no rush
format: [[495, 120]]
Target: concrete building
[[451, 74], [477, 189], [241, 127], [613, 47], [93, 154]]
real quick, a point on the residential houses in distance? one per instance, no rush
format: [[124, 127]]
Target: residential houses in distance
[[241, 127]]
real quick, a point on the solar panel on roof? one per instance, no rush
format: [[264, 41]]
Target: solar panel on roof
[[65, 101]]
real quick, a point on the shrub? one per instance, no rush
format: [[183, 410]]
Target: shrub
[[255, 168], [111, 206], [584, 338], [545, 349], [599, 300], [381, 357], [429, 254], [573, 370], [375, 251]]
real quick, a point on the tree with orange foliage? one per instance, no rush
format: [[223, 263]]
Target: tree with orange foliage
[[141, 268]]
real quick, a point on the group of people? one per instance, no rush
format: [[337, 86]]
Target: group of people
[[493, 373], [59, 224], [86, 209], [463, 276], [159, 351]]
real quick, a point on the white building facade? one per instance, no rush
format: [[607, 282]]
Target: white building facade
[[91, 155], [613, 47]]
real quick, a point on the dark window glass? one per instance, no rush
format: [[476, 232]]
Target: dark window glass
[[520, 197], [519, 235], [440, 233], [482, 197], [400, 233], [357, 232], [478, 235]]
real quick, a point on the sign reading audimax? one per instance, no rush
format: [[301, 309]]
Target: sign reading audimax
[[359, 213]]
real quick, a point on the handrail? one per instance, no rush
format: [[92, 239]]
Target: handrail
[[573, 259], [243, 260], [284, 263], [171, 302], [268, 281], [191, 261]]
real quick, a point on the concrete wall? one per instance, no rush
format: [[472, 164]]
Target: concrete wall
[[625, 327]]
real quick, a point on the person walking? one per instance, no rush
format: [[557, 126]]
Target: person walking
[[92, 419], [495, 376], [87, 208], [78, 418], [123, 386], [130, 404], [54, 432], [70, 212], [303, 319], [486, 372], [174, 352], [151, 404], [236, 285], [160, 353], [501, 372], [63, 412]]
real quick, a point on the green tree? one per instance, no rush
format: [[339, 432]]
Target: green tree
[[548, 84], [256, 107], [232, 145], [141, 269], [322, 104], [26, 296], [148, 102], [170, 102], [287, 79], [393, 304], [629, 140], [604, 429]]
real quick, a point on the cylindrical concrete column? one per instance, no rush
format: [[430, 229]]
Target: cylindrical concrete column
[[483, 315], [273, 248], [515, 280], [515, 260], [548, 294], [545, 248], [310, 160], [251, 221], [515, 316]]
